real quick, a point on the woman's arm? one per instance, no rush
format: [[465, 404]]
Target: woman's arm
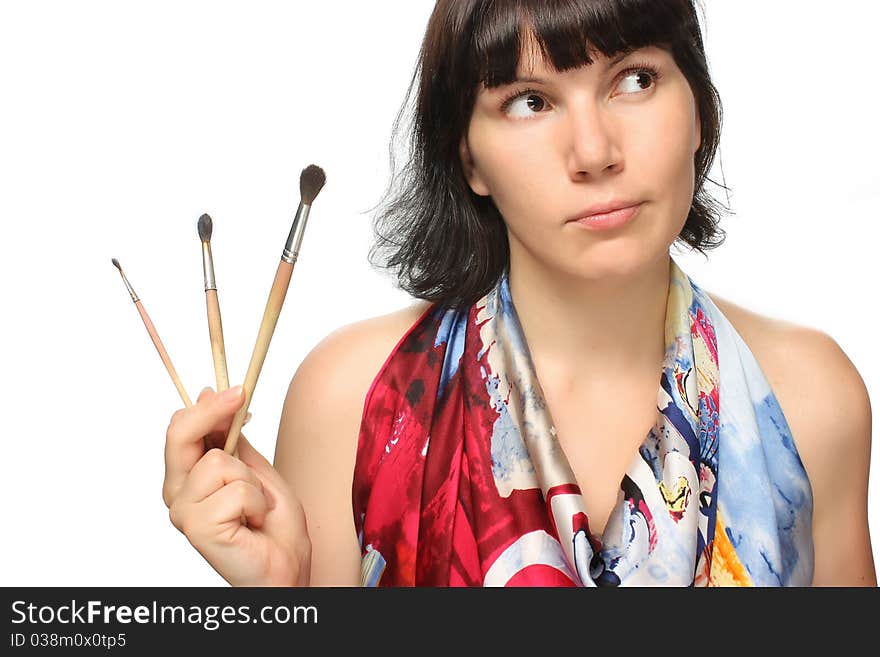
[[319, 430], [826, 404], [832, 429], [315, 454]]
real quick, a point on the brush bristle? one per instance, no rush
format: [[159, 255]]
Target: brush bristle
[[310, 183], [206, 227], [116, 264]]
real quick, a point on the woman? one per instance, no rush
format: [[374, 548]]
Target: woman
[[559, 150]]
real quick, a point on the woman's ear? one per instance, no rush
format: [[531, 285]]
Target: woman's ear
[[699, 131], [471, 174]]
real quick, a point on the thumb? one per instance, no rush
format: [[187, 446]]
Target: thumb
[[270, 477], [248, 454]]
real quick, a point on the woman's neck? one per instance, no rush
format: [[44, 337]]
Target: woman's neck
[[610, 327]]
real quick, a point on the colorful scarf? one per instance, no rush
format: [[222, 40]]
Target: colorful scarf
[[460, 480]]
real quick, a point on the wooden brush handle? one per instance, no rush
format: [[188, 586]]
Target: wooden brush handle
[[154, 336], [218, 345], [218, 350], [267, 328]]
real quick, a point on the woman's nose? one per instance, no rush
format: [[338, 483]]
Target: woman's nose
[[592, 142]]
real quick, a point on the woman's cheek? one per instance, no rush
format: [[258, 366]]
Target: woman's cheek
[[670, 151]]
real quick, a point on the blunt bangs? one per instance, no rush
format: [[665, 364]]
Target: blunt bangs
[[567, 33]]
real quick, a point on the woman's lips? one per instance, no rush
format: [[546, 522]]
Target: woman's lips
[[608, 220]]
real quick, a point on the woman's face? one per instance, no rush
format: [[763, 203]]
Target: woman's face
[[588, 136]]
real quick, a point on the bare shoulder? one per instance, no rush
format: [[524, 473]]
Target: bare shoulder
[[318, 434], [816, 383], [364, 345], [828, 409]]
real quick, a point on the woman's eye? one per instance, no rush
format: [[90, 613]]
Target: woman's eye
[[639, 80], [525, 104]]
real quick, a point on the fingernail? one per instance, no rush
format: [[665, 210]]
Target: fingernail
[[247, 418], [231, 394]]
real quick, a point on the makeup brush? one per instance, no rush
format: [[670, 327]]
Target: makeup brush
[[154, 336], [215, 324], [311, 181]]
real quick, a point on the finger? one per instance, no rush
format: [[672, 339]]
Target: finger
[[209, 414], [218, 438], [227, 505], [184, 444], [275, 486], [291, 521], [206, 392], [212, 472], [249, 455]]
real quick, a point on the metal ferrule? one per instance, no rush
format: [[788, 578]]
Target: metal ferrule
[[134, 296], [208, 267], [294, 239]]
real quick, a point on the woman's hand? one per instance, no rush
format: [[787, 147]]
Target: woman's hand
[[207, 490]]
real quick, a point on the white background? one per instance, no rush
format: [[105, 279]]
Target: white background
[[122, 122]]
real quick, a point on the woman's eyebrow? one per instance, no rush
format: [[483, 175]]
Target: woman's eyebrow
[[608, 64]]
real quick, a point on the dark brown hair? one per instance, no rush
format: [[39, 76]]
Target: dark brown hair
[[448, 245]]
